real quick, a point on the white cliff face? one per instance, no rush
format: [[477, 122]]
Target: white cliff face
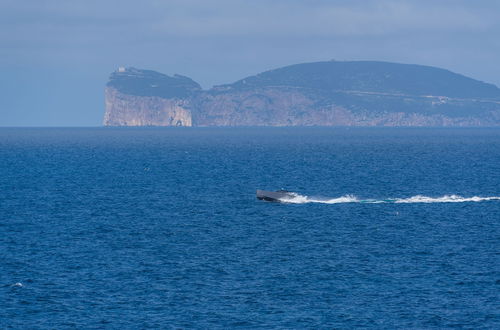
[[130, 110], [268, 107]]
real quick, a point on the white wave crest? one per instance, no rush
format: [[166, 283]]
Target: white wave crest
[[300, 199]]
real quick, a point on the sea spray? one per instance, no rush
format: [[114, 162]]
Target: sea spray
[[301, 199]]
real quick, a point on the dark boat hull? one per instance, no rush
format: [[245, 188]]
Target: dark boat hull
[[273, 196]]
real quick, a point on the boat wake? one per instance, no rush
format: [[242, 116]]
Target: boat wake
[[300, 199]]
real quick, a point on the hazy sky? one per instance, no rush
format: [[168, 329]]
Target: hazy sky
[[56, 55]]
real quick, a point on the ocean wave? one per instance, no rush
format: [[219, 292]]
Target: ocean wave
[[301, 199]]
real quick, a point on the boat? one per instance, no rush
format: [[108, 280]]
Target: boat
[[274, 196]]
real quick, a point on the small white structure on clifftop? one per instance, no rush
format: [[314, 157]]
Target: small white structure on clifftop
[[121, 69]]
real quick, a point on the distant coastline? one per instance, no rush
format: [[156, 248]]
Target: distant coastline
[[356, 93]]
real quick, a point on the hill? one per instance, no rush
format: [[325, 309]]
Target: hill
[[353, 93]]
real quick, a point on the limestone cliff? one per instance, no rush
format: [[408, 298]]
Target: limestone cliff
[[146, 98], [278, 106], [322, 94], [131, 110]]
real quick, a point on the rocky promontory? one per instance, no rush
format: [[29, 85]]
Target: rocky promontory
[[355, 93]]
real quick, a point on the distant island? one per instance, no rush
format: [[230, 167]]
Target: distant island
[[333, 93]]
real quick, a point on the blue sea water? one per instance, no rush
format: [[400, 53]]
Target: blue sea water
[[160, 228]]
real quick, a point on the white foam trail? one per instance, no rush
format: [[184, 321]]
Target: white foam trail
[[300, 199], [445, 199]]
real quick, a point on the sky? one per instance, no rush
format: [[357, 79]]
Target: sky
[[56, 55]]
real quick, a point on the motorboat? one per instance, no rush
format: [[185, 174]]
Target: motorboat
[[275, 196]]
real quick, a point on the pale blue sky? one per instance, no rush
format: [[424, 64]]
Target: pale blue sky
[[55, 56]]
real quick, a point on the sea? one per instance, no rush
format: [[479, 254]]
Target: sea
[[136, 228]]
